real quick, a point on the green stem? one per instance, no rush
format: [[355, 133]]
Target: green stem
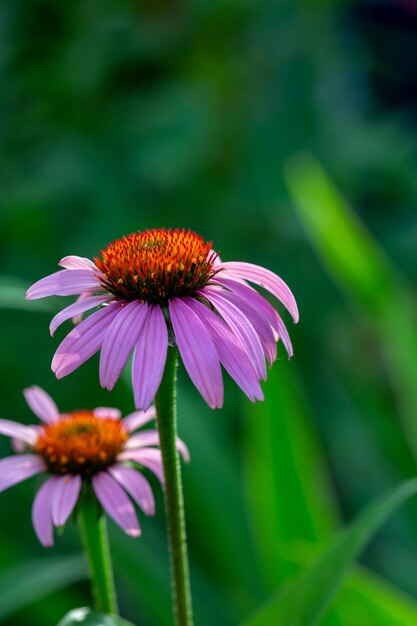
[[94, 537], [174, 502]]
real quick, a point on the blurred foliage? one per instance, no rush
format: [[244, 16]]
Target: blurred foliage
[[119, 116], [35, 579]]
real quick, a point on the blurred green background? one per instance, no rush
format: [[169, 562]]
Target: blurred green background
[[286, 133]]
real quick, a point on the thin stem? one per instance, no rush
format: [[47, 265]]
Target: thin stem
[[94, 537], [174, 502]]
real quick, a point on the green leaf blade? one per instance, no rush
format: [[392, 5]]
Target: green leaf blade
[[289, 493], [304, 602]]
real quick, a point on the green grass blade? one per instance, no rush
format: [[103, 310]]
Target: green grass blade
[[340, 239], [304, 602], [364, 598], [365, 274], [367, 599], [288, 491]]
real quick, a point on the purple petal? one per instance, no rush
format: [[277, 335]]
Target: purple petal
[[64, 497], [143, 439], [41, 404], [259, 322], [79, 307], [115, 502], [119, 341], [284, 336], [83, 341], [64, 283], [105, 412], [151, 438], [197, 352], [182, 449], [136, 486], [24, 433], [261, 325], [18, 446], [264, 308], [148, 457], [138, 418], [74, 262], [15, 469], [230, 351], [250, 295], [41, 513], [77, 318], [266, 279], [242, 328], [149, 357]]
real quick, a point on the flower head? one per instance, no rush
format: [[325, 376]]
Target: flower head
[[162, 287], [156, 266], [94, 447]]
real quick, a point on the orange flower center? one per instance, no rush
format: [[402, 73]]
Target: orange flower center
[[81, 443], [156, 265]]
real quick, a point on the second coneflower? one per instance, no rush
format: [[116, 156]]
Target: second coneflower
[[94, 448], [162, 287]]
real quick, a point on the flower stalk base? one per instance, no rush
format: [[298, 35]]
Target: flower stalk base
[[94, 537], [174, 502]]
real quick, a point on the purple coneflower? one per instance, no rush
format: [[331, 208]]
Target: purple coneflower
[[162, 287], [96, 447]]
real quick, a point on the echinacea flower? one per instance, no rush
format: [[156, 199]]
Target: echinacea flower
[[168, 287], [94, 447]]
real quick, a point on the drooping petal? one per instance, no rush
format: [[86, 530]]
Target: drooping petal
[[79, 307], [15, 469], [27, 434], [64, 497], [106, 412], [73, 262], [18, 446], [115, 502], [242, 328], [148, 457], [142, 439], [64, 283], [119, 341], [230, 351], [151, 438], [149, 357], [77, 318], [138, 418], [197, 352], [259, 322], [266, 279], [83, 341], [136, 486], [42, 514], [252, 297], [284, 336], [41, 404]]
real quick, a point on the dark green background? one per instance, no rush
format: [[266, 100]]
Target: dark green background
[[122, 116]]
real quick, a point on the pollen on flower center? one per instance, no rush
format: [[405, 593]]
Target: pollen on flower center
[[156, 265], [80, 443]]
